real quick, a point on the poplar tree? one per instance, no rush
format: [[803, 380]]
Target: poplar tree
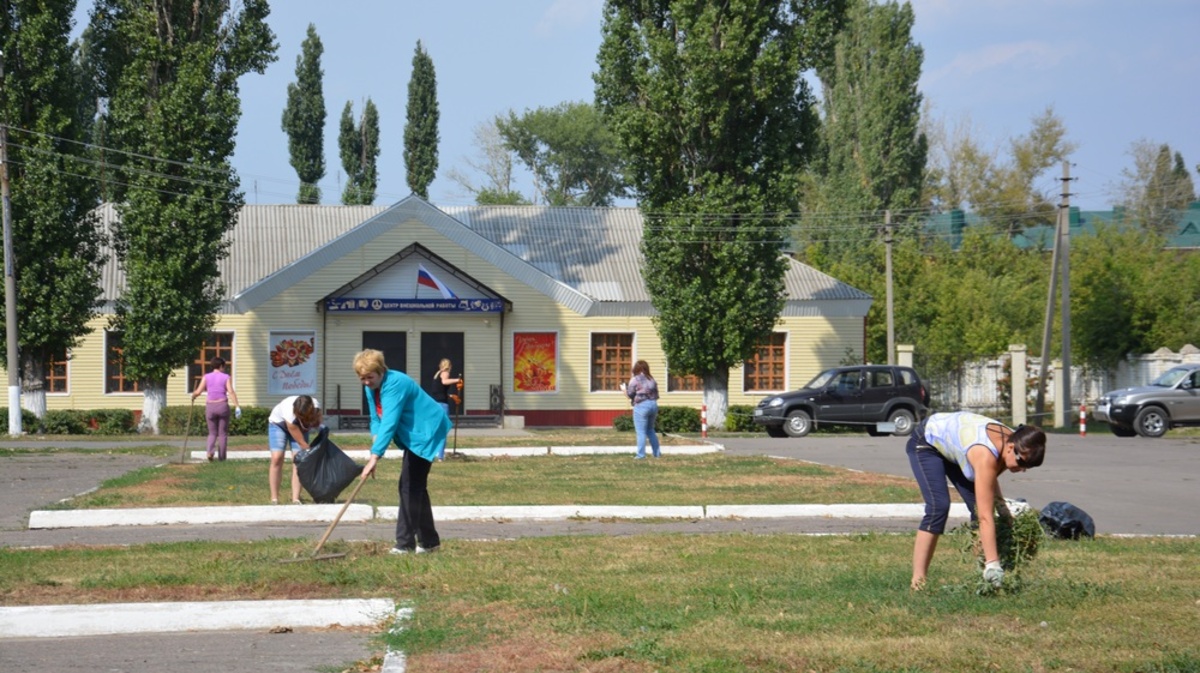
[[55, 236], [872, 149], [168, 71], [421, 129], [359, 148], [304, 119], [713, 113]]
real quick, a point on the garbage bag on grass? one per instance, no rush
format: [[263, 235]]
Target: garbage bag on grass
[[1066, 521], [324, 469]]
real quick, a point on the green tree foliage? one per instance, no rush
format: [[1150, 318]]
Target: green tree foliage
[[711, 109], [304, 118], [421, 130], [967, 175], [45, 104], [1156, 187], [1129, 295], [169, 72], [359, 146], [571, 152], [872, 149]]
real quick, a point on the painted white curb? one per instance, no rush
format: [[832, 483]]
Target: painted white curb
[[557, 512], [511, 451], [159, 516], [98, 518], [887, 511], [54, 621]]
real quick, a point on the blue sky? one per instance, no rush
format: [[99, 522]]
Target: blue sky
[[1115, 71]]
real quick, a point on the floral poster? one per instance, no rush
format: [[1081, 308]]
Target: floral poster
[[535, 362], [293, 363]]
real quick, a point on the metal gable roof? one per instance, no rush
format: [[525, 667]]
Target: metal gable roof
[[588, 259]]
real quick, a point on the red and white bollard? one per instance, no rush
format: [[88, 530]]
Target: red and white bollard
[[704, 420], [1082, 419]]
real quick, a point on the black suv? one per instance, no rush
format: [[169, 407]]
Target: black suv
[[865, 395]]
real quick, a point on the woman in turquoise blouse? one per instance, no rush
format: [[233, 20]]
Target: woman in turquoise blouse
[[403, 413]]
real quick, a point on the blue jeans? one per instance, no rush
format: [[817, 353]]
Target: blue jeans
[[278, 439], [932, 472], [645, 413]]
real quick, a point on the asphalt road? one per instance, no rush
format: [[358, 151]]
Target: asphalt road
[[1129, 486]]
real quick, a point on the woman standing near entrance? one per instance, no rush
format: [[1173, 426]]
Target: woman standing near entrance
[[440, 391]]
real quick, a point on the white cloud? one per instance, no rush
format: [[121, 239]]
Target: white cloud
[[565, 15], [1028, 55]]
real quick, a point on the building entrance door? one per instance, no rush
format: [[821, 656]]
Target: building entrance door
[[434, 347], [395, 353]]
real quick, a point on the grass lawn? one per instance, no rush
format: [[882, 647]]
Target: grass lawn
[[660, 602], [687, 603], [706, 479]]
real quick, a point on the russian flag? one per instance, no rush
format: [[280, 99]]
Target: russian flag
[[428, 280]]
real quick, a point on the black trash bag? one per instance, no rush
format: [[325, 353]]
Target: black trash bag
[[1066, 521], [324, 469]]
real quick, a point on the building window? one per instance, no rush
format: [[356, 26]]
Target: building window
[[217, 343], [114, 367], [56, 373], [766, 369], [681, 383], [612, 360]]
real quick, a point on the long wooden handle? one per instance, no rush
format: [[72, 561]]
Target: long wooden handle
[[338, 518]]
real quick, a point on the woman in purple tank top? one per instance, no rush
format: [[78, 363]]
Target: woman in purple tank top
[[219, 387]]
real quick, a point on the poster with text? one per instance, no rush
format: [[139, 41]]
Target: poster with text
[[293, 363], [535, 362]]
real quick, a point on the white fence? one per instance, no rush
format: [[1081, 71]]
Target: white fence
[[977, 386]]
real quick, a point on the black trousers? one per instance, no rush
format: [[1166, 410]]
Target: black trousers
[[415, 520]]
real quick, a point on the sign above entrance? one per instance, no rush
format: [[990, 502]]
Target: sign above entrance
[[382, 305]]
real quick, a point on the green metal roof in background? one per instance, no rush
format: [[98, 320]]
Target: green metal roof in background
[[950, 225]]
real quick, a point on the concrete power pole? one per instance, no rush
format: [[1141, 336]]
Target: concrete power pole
[[891, 333], [1064, 215], [10, 286]]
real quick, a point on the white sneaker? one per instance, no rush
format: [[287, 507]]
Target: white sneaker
[[401, 550], [430, 550]]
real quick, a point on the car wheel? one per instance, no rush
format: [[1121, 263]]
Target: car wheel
[[1122, 431], [903, 421], [1151, 422], [798, 423], [776, 431]]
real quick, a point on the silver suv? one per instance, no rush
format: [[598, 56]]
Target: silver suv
[[1171, 401]]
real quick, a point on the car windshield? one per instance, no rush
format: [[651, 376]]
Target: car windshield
[[822, 379], [1171, 377]]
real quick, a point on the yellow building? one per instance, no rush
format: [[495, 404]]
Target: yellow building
[[541, 309]]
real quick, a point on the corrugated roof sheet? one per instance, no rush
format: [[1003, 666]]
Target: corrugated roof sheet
[[594, 251]]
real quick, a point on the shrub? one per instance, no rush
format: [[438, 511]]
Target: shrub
[[740, 418], [623, 423], [111, 421], [28, 420], [173, 421], [252, 422], [64, 422], [678, 419]]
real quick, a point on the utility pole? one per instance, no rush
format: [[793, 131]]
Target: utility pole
[[1039, 406], [891, 334], [10, 285], [1064, 215]]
